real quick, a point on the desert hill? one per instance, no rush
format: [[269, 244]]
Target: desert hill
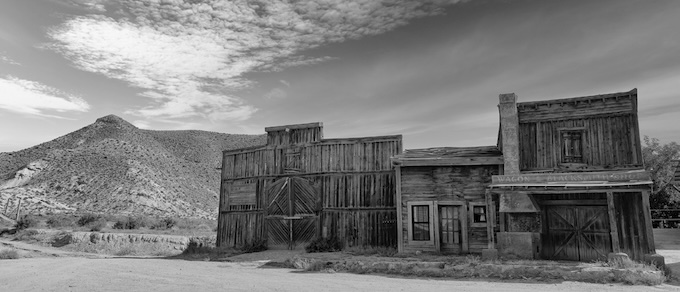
[[113, 167]]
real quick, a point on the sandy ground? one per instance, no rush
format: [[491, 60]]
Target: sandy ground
[[133, 274], [49, 269]]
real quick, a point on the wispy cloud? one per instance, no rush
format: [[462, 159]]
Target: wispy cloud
[[276, 93], [8, 60], [191, 56], [30, 97]]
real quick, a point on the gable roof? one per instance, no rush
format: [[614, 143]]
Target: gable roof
[[447, 156]]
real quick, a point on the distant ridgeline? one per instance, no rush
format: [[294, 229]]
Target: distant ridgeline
[[113, 167]]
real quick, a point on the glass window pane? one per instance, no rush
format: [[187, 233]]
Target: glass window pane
[[420, 215]]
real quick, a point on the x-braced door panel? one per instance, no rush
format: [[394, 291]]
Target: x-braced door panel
[[579, 233], [291, 212]]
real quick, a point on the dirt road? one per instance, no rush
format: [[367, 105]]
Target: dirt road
[[153, 274]]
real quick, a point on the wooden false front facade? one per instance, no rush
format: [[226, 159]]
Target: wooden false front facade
[[300, 186], [577, 189], [441, 198]]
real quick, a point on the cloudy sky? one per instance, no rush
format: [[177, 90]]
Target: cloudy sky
[[431, 70]]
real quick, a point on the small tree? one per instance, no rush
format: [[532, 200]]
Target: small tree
[[661, 162]]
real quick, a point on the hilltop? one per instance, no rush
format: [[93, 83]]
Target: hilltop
[[113, 167]]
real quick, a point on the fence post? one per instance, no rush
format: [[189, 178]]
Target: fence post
[[6, 206], [18, 210]]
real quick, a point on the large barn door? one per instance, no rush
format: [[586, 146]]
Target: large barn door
[[291, 212], [579, 233]]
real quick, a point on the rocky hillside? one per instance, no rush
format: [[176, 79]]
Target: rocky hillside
[[113, 167]]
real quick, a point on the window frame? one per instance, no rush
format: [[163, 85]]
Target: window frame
[[563, 148], [472, 206], [430, 208]]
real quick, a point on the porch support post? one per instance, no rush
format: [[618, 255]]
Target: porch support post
[[491, 219], [614, 231], [647, 217], [400, 219]]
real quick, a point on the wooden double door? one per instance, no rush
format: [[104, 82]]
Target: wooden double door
[[292, 213], [579, 233]]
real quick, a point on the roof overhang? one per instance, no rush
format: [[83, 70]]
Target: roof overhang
[[439, 161]]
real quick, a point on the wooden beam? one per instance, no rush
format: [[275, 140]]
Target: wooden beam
[[400, 223], [463, 217], [573, 202], [295, 126], [613, 228], [490, 220], [303, 175], [449, 161], [647, 217], [545, 191]]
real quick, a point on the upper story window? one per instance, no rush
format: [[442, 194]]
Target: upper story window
[[572, 146]]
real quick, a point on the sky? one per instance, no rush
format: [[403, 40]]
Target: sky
[[430, 70]]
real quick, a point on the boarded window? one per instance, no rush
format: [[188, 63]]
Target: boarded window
[[572, 146], [421, 222]]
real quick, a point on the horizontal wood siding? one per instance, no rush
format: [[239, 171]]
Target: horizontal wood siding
[[446, 183], [608, 142]]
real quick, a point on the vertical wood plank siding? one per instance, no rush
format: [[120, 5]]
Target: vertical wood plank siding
[[633, 235], [610, 138], [354, 176]]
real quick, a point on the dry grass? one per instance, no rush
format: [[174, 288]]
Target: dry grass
[[123, 249], [371, 251], [472, 266], [9, 254], [635, 273]]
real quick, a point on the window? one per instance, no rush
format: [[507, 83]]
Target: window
[[572, 146], [421, 222], [478, 214], [421, 225]]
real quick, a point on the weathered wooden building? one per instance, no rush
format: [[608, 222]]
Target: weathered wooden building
[[441, 194], [574, 186], [300, 186]]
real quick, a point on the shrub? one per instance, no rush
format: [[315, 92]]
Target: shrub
[[132, 223], [165, 223], [88, 218], [26, 222], [97, 225], [59, 221], [254, 246], [329, 244], [8, 254]]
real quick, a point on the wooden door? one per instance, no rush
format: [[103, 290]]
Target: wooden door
[[579, 233], [450, 228], [291, 218]]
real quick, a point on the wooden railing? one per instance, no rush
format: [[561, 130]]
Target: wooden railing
[[665, 218]]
